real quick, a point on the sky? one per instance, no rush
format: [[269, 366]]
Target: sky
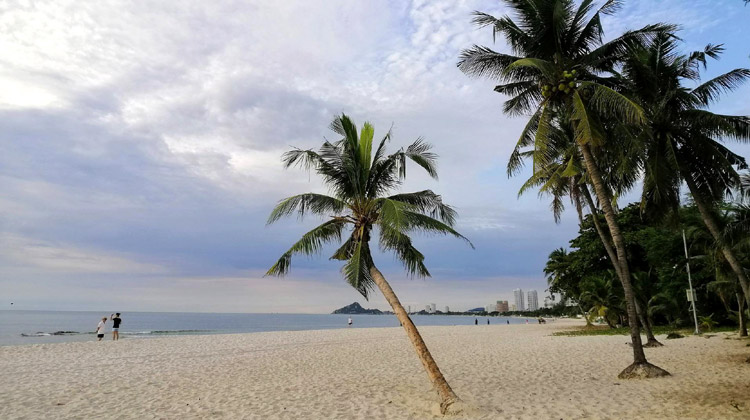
[[140, 147]]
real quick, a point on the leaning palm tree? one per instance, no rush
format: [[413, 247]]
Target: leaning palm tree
[[682, 138], [359, 205], [558, 170], [558, 66]]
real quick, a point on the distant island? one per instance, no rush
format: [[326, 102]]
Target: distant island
[[355, 309]]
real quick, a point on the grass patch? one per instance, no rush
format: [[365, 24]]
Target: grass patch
[[660, 330]]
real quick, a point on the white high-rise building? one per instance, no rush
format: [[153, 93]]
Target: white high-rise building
[[489, 308], [447, 309], [518, 293], [433, 308], [513, 307], [428, 308], [533, 301]]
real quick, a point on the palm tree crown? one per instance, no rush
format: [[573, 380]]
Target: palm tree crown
[[682, 139], [359, 182]]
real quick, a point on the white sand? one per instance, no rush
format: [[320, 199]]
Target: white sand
[[501, 371]]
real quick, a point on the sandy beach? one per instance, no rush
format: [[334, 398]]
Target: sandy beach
[[501, 371]]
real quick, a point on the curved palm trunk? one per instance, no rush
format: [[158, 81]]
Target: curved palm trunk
[[741, 316], [713, 227], [640, 366], [646, 324], [447, 397], [588, 322], [652, 341]]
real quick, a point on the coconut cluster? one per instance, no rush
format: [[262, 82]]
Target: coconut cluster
[[566, 84]]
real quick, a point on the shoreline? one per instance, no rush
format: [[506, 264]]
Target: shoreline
[[500, 372], [57, 328]]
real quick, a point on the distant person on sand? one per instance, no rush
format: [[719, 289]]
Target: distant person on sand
[[350, 322], [101, 328], [476, 321], [116, 320]]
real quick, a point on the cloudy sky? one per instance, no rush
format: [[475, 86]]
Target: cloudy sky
[[140, 146]]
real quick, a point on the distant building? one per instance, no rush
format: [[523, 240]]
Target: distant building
[[513, 307], [548, 303], [533, 301], [409, 310], [502, 306], [489, 308], [518, 294], [427, 308], [433, 308], [447, 309]]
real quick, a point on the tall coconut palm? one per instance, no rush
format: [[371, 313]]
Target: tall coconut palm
[[558, 64], [558, 171], [682, 138], [360, 181]]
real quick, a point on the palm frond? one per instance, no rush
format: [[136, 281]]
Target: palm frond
[[356, 271], [306, 203], [310, 244], [709, 92], [429, 203], [393, 240], [610, 103]]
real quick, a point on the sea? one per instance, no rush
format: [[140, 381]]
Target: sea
[[20, 327]]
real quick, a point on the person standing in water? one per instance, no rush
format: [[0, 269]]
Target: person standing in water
[[101, 328], [476, 321], [488, 321], [116, 320], [350, 321]]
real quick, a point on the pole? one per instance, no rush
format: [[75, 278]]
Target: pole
[[690, 283]]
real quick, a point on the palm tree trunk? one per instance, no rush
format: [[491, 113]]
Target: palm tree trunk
[[448, 398], [652, 341], [713, 227], [585, 316], [640, 366], [741, 316], [602, 236]]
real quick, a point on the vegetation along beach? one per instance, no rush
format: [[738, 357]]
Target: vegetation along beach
[[540, 209]]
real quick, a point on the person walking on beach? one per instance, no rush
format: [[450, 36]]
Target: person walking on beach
[[101, 328], [116, 320], [350, 322]]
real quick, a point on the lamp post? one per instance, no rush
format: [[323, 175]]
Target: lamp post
[[691, 292]]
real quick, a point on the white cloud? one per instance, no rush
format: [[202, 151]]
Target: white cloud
[[61, 258], [139, 132]]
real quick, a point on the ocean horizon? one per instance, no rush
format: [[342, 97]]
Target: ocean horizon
[[22, 327]]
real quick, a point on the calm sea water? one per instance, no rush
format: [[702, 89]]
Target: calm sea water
[[34, 327]]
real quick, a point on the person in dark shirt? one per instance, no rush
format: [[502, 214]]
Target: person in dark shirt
[[116, 320]]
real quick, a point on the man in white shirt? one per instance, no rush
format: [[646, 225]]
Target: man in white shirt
[[101, 328]]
